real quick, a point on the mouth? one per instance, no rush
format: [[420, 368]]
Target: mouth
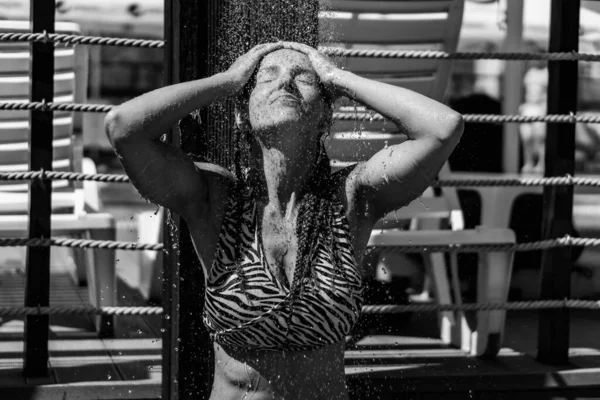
[[286, 98]]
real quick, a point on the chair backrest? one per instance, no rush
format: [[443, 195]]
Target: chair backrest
[[392, 25], [70, 85]]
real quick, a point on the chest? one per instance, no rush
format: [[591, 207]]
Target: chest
[[279, 241]]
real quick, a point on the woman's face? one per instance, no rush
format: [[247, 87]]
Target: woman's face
[[287, 95]]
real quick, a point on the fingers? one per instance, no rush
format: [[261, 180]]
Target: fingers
[[267, 48], [303, 48], [258, 52]]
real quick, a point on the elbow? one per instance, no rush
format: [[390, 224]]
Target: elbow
[[454, 128], [113, 127]]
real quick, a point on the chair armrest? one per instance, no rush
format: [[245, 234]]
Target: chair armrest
[[91, 195]]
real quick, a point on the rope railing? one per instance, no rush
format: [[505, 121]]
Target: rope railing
[[507, 182], [80, 243], [358, 116], [513, 306], [511, 182], [442, 55], [572, 118], [59, 175], [565, 241], [66, 39], [59, 38], [42, 106], [16, 312]]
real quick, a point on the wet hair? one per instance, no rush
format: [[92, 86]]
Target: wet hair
[[315, 214]]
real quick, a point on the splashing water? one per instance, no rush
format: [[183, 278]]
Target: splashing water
[[243, 24]]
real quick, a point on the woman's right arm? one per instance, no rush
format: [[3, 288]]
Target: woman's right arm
[[162, 173]]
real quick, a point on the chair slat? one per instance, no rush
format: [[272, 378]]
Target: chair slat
[[17, 202], [24, 26], [371, 31], [423, 85], [18, 86], [441, 237], [414, 6], [424, 207], [349, 147], [16, 63], [392, 68], [13, 155], [18, 131]]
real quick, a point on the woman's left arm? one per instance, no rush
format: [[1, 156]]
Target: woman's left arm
[[398, 174]]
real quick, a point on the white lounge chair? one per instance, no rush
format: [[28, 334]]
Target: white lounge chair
[[75, 206], [420, 25]]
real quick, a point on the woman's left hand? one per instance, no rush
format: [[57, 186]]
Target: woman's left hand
[[327, 71]]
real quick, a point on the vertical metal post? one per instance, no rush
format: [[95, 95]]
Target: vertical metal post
[[37, 286], [187, 348], [553, 330]]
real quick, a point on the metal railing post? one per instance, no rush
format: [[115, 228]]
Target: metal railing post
[[553, 329], [37, 286]]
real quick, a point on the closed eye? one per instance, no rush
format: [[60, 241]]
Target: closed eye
[[266, 75]]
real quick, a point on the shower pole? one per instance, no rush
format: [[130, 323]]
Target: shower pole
[[190, 32], [203, 37]]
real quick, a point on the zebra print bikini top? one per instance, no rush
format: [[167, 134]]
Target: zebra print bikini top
[[260, 315]]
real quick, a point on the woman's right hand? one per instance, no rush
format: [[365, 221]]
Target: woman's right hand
[[242, 69]]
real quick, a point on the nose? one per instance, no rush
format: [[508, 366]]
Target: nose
[[286, 80]]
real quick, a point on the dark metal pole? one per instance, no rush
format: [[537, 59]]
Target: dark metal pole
[[187, 348], [37, 286], [202, 38], [553, 330]]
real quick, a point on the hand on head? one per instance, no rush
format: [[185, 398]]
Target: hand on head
[[243, 68]]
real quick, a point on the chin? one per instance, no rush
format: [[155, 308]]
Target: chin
[[284, 120]]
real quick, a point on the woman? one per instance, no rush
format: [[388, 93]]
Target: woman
[[281, 238]]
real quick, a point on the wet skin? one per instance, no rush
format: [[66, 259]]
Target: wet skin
[[285, 110], [286, 113]]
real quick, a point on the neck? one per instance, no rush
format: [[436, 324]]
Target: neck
[[285, 167]]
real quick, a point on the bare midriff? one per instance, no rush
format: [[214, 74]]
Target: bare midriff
[[269, 375]]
